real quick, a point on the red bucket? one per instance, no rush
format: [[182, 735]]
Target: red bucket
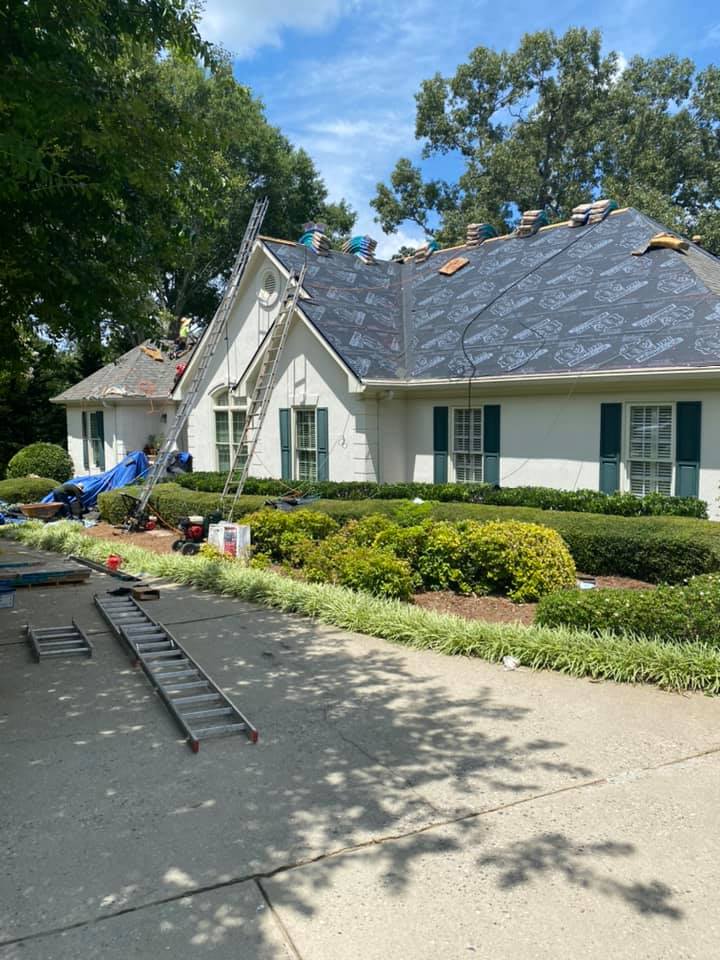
[[114, 562]]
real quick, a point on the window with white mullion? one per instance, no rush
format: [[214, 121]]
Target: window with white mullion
[[467, 448], [306, 444], [229, 424], [650, 449]]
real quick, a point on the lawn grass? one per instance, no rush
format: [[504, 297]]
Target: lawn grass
[[692, 666]]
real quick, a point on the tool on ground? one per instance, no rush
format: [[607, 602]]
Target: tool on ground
[[258, 403], [68, 641], [194, 532], [197, 704], [206, 350], [101, 568]]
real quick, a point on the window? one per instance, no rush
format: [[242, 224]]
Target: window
[[93, 429], [467, 446], [229, 425], [306, 453], [650, 449]]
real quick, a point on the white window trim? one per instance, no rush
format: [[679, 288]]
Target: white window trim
[[626, 458], [452, 473], [233, 406], [304, 408], [89, 442]]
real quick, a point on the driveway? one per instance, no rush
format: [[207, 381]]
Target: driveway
[[399, 804]]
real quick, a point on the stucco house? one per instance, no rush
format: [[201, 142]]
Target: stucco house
[[575, 357]]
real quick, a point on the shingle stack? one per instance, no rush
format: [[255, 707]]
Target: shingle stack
[[362, 247], [315, 237], [530, 223], [580, 215], [426, 250], [478, 233], [600, 209]]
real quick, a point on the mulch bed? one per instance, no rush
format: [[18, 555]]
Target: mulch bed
[[490, 609]]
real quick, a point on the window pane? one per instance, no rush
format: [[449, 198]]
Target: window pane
[[647, 476], [305, 430], [223, 456], [222, 429], [467, 431], [238, 423], [468, 467], [651, 432], [307, 465], [221, 399]]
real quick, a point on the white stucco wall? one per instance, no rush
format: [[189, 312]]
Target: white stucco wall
[[554, 440], [127, 428]]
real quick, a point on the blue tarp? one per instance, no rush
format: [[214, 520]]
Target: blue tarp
[[132, 468]]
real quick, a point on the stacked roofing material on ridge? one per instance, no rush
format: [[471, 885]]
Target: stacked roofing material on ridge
[[559, 302], [133, 375]]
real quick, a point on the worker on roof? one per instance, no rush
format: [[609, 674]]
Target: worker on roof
[[181, 341], [70, 496]]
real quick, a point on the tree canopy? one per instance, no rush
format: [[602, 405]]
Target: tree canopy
[[554, 124]]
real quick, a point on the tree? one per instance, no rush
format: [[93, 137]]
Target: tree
[[555, 123]]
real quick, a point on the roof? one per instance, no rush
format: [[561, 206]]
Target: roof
[[133, 375], [562, 301]]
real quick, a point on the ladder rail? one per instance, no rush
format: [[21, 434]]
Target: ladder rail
[[264, 385], [215, 330]]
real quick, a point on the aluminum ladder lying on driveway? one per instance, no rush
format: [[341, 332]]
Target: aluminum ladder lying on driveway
[[197, 704], [67, 641]]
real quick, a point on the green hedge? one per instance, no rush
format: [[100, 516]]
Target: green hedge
[[671, 614], [656, 549], [43, 460], [690, 666], [544, 498], [26, 489]]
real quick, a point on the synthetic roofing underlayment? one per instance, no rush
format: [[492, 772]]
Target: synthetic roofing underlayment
[[564, 300]]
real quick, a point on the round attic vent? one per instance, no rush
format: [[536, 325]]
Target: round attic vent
[[268, 288]]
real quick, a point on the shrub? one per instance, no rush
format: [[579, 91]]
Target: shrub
[[270, 528], [673, 614], [25, 489], [544, 498], [522, 560], [338, 560], [656, 549], [42, 459]]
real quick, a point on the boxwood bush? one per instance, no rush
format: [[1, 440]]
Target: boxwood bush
[[26, 489], [42, 459], [656, 549], [680, 614], [544, 498]]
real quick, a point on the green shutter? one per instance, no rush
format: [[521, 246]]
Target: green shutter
[[610, 439], [440, 444], [491, 443], [285, 453], [687, 448], [85, 441], [323, 450]]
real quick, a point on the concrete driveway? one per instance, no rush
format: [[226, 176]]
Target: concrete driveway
[[399, 804]]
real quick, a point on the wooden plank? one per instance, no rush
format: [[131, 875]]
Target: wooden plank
[[452, 266]]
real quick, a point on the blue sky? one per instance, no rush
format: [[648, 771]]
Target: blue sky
[[339, 76]]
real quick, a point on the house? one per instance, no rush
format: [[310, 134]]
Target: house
[[571, 358]]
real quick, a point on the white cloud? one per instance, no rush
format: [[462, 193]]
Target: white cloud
[[244, 26], [390, 243]]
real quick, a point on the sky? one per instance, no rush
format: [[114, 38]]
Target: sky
[[339, 76]]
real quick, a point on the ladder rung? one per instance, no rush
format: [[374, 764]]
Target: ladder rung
[[167, 678], [188, 685], [219, 729], [64, 653], [198, 698], [164, 654], [210, 712]]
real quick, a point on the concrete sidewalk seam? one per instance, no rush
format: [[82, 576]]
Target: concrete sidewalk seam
[[353, 848], [284, 932]]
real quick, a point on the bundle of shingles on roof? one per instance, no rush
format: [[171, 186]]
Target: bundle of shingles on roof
[[478, 233], [530, 223], [588, 213], [362, 247], [426, 250], [315, 237]]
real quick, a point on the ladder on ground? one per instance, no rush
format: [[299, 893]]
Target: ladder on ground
[[206, 349], [260, 399], [196, 703], [69, 641]]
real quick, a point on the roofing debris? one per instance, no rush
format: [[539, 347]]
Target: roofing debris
[[667, 241], [559, 302], [143, 372], [452, 266]]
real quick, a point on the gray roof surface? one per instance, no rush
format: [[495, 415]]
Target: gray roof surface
[[563, 301], [132, 375]]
